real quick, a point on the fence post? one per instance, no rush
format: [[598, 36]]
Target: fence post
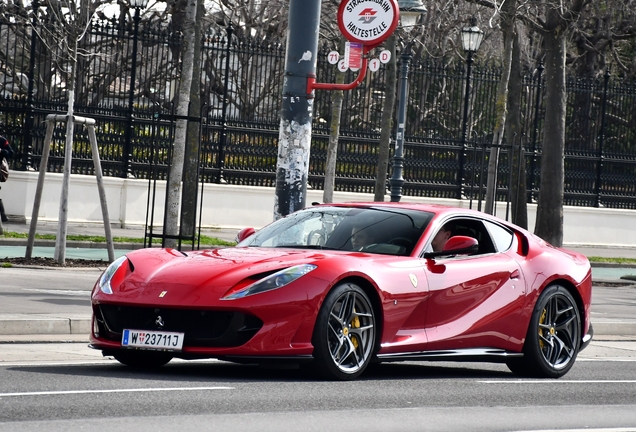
[[27, 156], [601, 142], [223, 141], [533, 160]]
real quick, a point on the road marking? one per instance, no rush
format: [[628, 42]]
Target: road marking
[[558, 381], [59, 292], [140, 390], [607, 359], [629, 429]]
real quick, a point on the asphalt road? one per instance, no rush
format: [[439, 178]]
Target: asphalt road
[[597, 393], [67, 386]]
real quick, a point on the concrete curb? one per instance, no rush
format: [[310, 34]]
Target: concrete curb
[[27, 324], [55, 325]]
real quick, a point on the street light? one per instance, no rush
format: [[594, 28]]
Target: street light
[[410, 12], [138, 5], [471, 40]]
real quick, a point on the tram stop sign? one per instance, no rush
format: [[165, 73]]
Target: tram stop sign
[[369, 22]]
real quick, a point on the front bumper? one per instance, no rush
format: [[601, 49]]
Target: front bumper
[[585, 341]]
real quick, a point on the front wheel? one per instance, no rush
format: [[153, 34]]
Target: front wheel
[[345, 333], [552, 342]]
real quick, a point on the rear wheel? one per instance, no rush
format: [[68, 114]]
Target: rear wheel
[[345, 333], [552, 342], [142, 359]]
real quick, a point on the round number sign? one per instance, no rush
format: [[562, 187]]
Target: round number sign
[[369, 22]]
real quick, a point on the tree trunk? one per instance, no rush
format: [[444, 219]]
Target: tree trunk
[[60, 241], [507, 30], [191, 164], [337, 97], [513, 136], [173, 192], [549, 225], [386, 123]]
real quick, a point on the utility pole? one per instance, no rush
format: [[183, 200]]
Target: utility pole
[[294, 138]]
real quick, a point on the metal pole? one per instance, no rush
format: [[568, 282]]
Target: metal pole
[[223, 140], [462, 154], [292, 168], [397, 180], [127, 172], [601, 142]]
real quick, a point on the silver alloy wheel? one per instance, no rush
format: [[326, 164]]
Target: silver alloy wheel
[[559, 331], [351, 332]]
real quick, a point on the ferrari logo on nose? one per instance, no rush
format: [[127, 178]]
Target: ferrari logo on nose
[[159, 322]]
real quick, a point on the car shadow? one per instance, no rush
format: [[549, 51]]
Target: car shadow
[[226, 372]]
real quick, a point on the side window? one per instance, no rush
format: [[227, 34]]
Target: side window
[[469, 228], [476, 229], [501, 236]]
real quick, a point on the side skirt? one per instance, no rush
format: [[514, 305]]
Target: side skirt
[[491, 355]]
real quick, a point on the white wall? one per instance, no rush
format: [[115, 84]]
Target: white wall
[[241, 206]]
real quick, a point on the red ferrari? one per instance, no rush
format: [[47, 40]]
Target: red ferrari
[[340, 286]]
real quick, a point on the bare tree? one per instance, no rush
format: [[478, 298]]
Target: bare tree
[[387, 122], [173, 193], [507, 24], [553, 20], [68, 23]]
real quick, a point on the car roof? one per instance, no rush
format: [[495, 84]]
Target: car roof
[[441, 211], [438, 209]]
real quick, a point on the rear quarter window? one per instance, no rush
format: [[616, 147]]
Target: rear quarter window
[[500, 236]]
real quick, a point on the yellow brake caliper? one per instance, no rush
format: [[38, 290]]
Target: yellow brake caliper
[[355, 323], [541, 321]]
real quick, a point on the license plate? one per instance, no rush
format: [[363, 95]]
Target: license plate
[[152, 339]]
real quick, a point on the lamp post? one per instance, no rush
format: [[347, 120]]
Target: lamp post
[[410, 12], [471, 40], [127, 172]]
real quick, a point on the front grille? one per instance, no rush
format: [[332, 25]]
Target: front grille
[[202, 328]]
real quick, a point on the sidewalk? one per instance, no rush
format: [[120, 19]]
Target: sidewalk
[[49, 315]]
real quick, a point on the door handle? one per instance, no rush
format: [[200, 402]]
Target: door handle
[[515, 275]]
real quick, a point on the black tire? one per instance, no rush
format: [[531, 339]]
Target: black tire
[[142, 359], [553, 338], [345, 333]]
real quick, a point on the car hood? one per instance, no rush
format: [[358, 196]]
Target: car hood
[[186, 277]]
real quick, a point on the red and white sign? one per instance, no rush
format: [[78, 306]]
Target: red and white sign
[[353, 54], [369, 22], [374, 65], [333, 57], [385, 56]]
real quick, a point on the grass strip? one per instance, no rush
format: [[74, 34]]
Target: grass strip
[[205, 240], [612, 260]]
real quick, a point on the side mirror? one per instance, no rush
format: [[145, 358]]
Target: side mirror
[[456, 245], [461, 244], [244, 233]]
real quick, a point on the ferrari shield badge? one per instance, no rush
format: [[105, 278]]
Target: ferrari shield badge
[[413, 279], [163, 293]]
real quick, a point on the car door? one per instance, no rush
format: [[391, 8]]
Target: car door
[[475, 300]]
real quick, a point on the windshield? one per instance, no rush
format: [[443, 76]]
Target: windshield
[[375, 230]]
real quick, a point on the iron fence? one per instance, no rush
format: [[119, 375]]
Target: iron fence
[[241, 87]]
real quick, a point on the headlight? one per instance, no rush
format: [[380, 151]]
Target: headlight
[[272, 282], [104, 281]]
